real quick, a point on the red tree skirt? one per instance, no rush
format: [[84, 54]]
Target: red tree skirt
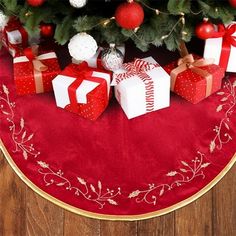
[[117, 168]]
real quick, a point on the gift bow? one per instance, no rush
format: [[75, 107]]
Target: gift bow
[[139, 67], [32, 54], [228, 40], [226, 33], [188, 62]]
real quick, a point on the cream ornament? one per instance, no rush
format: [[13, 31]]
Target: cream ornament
[[3, 20], [82, 46], [78, 3]]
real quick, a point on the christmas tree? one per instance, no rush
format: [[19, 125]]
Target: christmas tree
[[145, 22]]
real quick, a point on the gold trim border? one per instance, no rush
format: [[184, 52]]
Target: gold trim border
[[114, 217]]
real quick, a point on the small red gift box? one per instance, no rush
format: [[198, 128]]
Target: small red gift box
[[83, 90], [194, 78], [15, 38], [34, 72]]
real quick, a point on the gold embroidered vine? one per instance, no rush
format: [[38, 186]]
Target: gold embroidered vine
[[18, 132], [88, 191]]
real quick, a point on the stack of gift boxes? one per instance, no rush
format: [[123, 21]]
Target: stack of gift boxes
[[140, 86]]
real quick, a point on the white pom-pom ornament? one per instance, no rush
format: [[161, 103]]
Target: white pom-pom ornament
[[82, 46], [3, 20], [78, 3]]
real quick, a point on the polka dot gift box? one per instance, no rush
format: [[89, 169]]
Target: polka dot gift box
[[194, 78], [34, 71], [83, 90]]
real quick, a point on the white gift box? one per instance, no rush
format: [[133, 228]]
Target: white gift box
[[62, 82], [93, 61], [213, 47], [132, 92]]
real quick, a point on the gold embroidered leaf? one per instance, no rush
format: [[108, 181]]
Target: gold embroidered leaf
[[25, 155], [5, 113], [226, 125], [5, 89], [219, 108], [99, 185], [220, 93], [22, 123], [234, 84], [82, 181], [183, 170], [134, 194], [43, 164], [212, 146], [171, 173], [61, 184], [23, 135], [112, 202], [30, 137], [161, 192], [204, 165], [224, 99], [92, 188], [184, 163]]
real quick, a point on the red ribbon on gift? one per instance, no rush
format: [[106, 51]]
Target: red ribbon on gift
[[82, 72], [140, 68], [228, 40], [15, 25], [32, 55]]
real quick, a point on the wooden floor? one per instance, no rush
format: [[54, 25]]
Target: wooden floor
[[23, 212]]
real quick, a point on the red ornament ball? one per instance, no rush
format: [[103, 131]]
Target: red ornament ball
[[35, 3], [204, 30], [46, 30], [232, 3], [129, 15]]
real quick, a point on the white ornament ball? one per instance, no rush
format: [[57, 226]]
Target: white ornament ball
[[78, 3], [82, 46], [3, 20]]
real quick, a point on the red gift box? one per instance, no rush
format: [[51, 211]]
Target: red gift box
[[194, 78], [34, 71], [15, 38], [83, 90]]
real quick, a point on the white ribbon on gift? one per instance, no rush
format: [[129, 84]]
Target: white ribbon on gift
[[38, 78]]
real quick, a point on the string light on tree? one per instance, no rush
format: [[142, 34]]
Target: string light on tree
[[112, 58], [35, 3], [129, 15], [3, 20], [205, 29], [82, 46], [78, 3]]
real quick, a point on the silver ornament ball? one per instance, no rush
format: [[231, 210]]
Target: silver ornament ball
[[112, 58], [78, 3]]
